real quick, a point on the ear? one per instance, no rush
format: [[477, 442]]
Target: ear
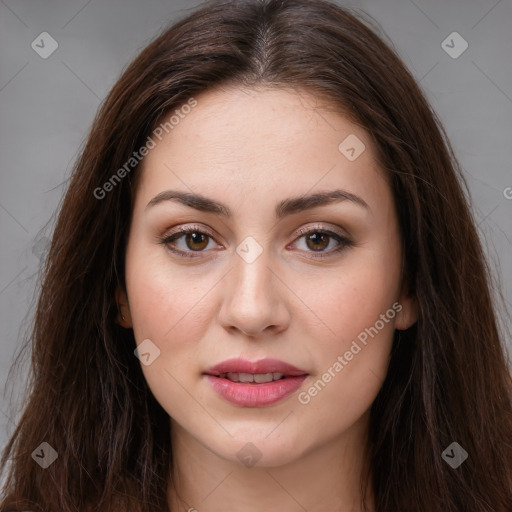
[[409, 312], [123, 318]]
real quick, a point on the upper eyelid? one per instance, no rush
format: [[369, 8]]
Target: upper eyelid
[[342, 241], [299, 232], [187, 228], [318, 227]]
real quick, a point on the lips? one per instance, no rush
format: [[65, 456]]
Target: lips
[[254, 384], [264, 366]]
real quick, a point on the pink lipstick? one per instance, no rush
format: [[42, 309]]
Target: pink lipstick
[[254, 384]]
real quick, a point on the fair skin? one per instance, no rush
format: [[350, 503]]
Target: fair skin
[[251, 149]]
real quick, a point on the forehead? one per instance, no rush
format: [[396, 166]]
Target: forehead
[[262, 118], [243, 140]]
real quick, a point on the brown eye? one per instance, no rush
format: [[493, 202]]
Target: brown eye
[[189, 242], [317, 241], [321, 243], [196, 241]]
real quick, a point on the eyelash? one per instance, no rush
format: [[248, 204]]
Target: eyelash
[[343, 242]]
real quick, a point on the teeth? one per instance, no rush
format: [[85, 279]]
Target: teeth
[[264, 377], [258, 378], [245, 377], [267, 377]]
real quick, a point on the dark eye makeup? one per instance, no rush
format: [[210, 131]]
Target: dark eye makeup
[[316, 238]]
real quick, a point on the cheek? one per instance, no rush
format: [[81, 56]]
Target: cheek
[[352, 298], [167, 309], [355, 306], [164, 299], [351, 360]]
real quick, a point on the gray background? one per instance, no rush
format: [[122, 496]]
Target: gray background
[[47, 106]]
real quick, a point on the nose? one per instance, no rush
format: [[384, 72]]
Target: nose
[[254, 298]]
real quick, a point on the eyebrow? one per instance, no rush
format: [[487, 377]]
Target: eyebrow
[[283, 208]]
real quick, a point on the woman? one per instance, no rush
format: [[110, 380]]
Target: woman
[[265, 289]]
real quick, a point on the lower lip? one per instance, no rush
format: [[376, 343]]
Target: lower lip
[[255, 395]]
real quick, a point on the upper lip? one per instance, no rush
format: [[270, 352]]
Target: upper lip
[[239, 365]]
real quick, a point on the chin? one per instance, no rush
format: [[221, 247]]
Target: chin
[[259, 449]]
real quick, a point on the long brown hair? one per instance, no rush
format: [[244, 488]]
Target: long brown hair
[[448, 379]]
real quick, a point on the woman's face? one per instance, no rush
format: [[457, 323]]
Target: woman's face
[[313, 284]]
